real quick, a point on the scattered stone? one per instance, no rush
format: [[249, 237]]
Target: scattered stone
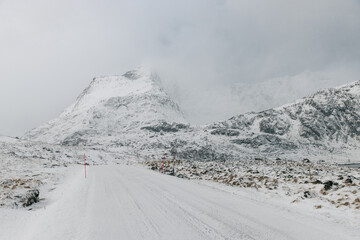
[[267, 174], [307, 194], [305, 160], [180, 176], [328, 185], [317, 182], [31, 197], [349, 181]]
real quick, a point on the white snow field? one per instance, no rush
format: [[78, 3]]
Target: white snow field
[[130, 202]]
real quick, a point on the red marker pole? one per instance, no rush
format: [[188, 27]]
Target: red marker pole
[[85, 164], [162, 169]]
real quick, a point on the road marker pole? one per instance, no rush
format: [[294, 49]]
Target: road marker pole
[[85, 164], [162, 169]]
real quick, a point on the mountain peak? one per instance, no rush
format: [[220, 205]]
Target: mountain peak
[[111, 105], [139, 72], [140, 80]]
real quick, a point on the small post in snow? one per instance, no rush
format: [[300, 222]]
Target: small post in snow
[[162, 169], [85, 164]]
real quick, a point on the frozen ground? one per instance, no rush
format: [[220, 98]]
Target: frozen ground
[[327, 189], [26, 167], [130, 202]]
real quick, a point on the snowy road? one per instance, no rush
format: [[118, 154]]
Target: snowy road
[[126, 202]]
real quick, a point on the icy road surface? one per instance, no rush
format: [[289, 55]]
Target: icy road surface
[[128, 202]]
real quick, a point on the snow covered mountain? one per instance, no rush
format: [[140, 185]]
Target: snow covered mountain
[[132, 114], [328, 121], [260, 96], [109, 108], [205, 104], [324, 125]]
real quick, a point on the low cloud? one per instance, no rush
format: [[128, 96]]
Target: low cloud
[[50, 50]]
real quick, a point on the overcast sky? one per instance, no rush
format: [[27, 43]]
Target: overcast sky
[[50, 50]]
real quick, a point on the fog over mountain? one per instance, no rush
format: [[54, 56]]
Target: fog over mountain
[[217, 58], [132, 113]]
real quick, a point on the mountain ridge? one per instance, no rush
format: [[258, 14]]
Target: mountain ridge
[[133, 111]]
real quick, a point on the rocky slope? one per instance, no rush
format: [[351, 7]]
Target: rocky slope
[[328, 120], [275, 92], [111, 107], [132, 115]]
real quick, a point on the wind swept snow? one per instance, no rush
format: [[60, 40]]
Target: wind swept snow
[[129, 202]]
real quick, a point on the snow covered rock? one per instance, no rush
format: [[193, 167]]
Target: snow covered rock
[[133, 113], [31, 197], [327, 120], [109, 108]]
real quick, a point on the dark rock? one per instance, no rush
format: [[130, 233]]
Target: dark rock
[[76, 139], [31, 197], [305, 160], [349, 181], [317, 182], [132, 75], [202, 153], [274, 125], [272, 141], [166, 127], [225, 132], [171, 172], [307, 194], [328, 185], [181, 176]]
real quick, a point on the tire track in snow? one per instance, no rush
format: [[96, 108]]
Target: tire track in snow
[[122, 202]]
